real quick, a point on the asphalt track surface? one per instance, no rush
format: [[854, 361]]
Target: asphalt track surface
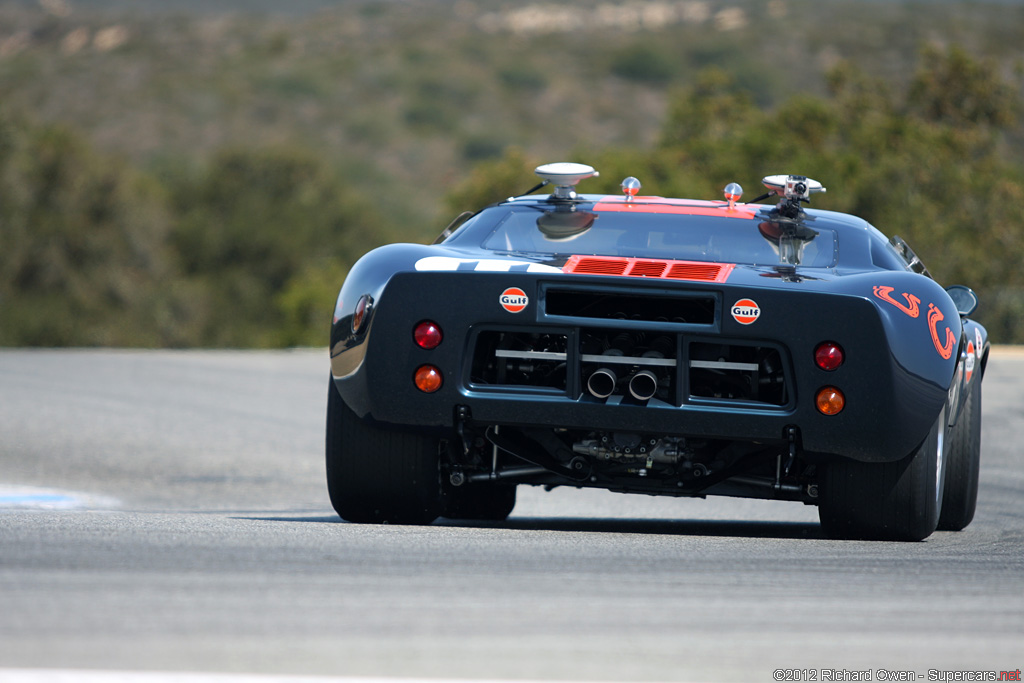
[[165, 511]]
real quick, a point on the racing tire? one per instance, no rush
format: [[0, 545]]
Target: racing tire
[[486, 502], [960, 496], [889, 501], [376, 475]]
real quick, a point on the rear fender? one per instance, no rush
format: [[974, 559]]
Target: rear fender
[[922, 323], [368, 277]]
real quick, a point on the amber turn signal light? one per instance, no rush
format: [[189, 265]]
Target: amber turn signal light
[[830, 401], [428, 379]]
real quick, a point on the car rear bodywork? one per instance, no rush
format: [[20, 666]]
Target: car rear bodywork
[[654, 374]]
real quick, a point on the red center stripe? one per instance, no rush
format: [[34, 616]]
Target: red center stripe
[[689, 207]]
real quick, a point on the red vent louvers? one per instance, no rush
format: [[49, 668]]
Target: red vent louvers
[[704, 272], [648, 269], [596, 266], [640, 267]]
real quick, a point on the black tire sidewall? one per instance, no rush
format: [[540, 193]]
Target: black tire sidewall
[[960, 496], [378, 475], [896, 501]]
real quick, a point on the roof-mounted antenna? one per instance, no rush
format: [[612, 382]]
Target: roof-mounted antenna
[[564, 176], [793, 189]]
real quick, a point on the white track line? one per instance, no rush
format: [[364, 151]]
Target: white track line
[[35, 498], [93, 676]]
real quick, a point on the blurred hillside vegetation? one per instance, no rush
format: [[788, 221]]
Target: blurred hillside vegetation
[[178, 177]]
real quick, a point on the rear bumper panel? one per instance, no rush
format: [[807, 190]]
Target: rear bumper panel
[[699, 342]]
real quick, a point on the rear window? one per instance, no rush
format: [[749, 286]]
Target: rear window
[[530, 230]]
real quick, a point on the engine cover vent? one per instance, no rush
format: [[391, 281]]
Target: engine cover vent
[[695, 271]]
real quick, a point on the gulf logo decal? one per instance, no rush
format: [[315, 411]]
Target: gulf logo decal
[[911, 308], [513, 300], [746, 311]]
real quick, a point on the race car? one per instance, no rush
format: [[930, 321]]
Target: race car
[[644, 344]]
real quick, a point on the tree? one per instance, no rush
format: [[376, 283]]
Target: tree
[[259, 223], [955, 89], [83, 237]]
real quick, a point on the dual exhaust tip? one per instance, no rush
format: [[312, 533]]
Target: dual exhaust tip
[[642, 385]]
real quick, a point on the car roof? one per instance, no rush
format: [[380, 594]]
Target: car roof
[[858, 245]]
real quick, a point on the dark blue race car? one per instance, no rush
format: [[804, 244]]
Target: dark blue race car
[[660, 346]]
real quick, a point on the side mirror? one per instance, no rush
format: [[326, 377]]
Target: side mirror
[[963, 298]]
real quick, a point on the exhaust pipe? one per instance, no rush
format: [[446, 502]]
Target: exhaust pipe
[[643, 385], [601, 382]]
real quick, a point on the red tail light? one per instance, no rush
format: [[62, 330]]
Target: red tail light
[[427, 335], [829, 356]]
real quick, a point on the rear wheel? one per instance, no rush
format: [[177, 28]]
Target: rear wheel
[[492, 502], [379, 475], [891, 501], [960, 496]]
